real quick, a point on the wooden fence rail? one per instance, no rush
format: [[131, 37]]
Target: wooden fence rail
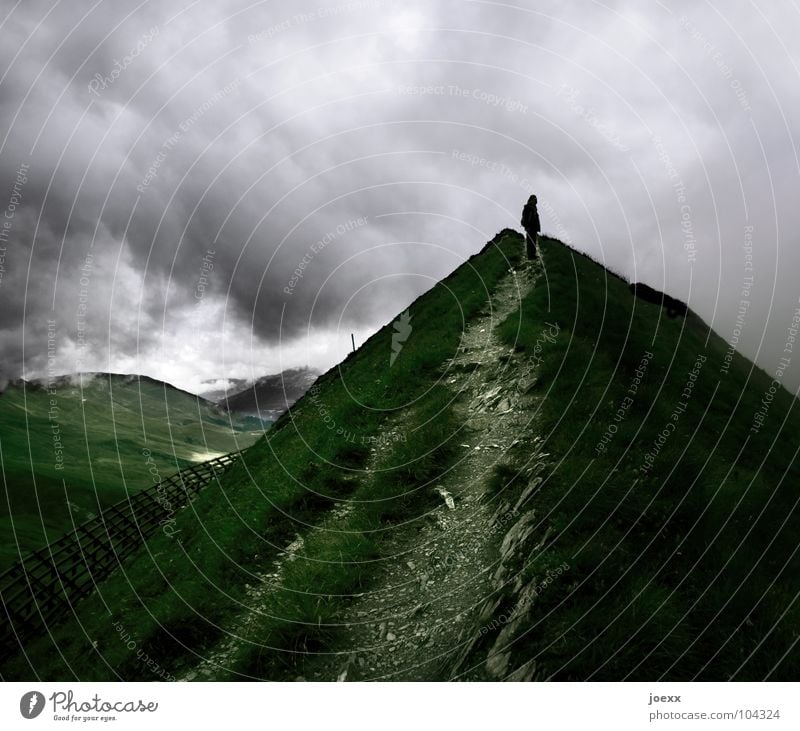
[[42, 587]]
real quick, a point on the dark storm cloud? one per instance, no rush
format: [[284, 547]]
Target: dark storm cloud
[[297, 172]]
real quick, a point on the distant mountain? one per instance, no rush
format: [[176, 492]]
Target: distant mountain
[[95, 380], [216, 389], [270, 396]]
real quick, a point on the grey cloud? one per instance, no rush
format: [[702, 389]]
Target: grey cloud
[[255, 130]]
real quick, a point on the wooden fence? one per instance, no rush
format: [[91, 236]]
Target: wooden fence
[[41, 589]]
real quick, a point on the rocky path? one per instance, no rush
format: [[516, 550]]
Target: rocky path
[[258, 594], [437, 572]]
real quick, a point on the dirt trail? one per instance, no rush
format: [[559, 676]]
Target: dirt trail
[[437, 576], [259, 596]]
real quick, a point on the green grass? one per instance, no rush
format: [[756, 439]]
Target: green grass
[[173, 596], [684, 570], [335, 564], [76, 448]]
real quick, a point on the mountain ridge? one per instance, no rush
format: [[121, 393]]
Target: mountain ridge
[[69, 379], [667, 554]]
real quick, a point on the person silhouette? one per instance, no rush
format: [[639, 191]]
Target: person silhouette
[[530, 222]]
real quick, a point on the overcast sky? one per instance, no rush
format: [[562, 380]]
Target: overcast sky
[[166, 166]]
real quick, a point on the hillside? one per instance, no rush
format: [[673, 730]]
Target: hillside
[[531, 475], [75, 445]]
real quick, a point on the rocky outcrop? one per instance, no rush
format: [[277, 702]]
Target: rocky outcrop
[[674, 307], [490, 647]]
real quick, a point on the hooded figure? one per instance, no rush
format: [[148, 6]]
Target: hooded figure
[[530, 222]]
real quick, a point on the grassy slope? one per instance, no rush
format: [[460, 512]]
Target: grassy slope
[[103, 426], [174, 595], [689, 569]]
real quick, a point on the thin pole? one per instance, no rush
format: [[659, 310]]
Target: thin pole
[[353, 341]]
